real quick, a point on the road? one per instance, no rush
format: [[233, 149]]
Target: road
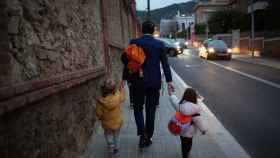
[[244, 97]]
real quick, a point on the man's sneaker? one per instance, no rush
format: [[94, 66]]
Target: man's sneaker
[[110, 151], [148, 142], [117, 153], [142, 142]]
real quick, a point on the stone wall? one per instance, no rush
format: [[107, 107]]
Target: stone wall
[[51, 37], [51, 66]]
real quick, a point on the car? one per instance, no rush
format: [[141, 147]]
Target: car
[[215, 49], [173, 47]]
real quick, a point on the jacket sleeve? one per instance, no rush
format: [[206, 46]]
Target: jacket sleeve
[[199, 123], [122, 96], [165, 64], [99, 111], [174, 102]]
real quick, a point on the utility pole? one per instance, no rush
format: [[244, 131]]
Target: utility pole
[[149, 10], [252, 29]]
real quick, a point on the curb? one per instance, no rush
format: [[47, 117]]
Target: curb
[[218, 132], [257, 63]]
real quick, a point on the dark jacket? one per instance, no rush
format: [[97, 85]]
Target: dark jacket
[[155, 54]]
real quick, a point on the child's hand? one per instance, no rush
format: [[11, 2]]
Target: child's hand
[[203, 132], [122, 84]]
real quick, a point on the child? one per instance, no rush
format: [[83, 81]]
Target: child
[[187, 107], [108, 110]]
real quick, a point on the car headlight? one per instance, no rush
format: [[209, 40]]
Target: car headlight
[[178, 47], [229, 50], [187, 43], [211, 50], [202, 49]]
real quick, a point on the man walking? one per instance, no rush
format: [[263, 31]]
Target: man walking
[[145, 85]]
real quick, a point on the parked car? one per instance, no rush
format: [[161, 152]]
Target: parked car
[[173, 48], [215, 49]]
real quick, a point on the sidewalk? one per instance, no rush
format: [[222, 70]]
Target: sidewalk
[[215, 144], [275, 63]]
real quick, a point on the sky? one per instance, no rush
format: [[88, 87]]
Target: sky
[[142, 4]]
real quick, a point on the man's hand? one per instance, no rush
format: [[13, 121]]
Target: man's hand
[[170, 88]]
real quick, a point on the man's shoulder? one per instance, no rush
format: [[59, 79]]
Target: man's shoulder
[[159, 42], [143, 40], [135, 40]]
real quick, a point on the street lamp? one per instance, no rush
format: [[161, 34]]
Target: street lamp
[[252, 29], [149, 10]]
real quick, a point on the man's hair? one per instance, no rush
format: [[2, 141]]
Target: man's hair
[[148, 27]]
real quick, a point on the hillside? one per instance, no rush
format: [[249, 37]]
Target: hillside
[[168, 11]]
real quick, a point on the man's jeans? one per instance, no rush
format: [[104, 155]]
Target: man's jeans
[[150, 97]]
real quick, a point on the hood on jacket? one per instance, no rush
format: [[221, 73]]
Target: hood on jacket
[[188, 108], [110, 101]]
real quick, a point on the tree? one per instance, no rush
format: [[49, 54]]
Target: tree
[[200, 29], [226, 20]]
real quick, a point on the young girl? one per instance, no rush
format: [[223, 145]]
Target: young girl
[[108, 110], [187, 107]]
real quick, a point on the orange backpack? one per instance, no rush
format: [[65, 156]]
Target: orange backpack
[[136, 57]]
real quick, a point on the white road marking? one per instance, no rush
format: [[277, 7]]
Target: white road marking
[[246, 75], [216, 130], [190, 66], [275, 85]]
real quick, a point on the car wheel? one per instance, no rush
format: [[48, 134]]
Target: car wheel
[[172, 52], [229, 57]]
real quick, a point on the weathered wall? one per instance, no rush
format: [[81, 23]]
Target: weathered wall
[[54, 54], [52, 37], [271, 48]]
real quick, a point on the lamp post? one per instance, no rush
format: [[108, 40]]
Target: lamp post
[[149, 10], [252, 28]]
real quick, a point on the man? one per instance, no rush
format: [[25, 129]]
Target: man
[[145, 88]]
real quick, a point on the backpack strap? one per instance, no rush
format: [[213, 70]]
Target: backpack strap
[[194, 115]]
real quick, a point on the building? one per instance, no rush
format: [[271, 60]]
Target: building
[[240, 5], [167, 27], [205, 8], [178, 23], [184, 21]]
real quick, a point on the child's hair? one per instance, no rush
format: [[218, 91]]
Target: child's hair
[[189, 95], [108, 87]]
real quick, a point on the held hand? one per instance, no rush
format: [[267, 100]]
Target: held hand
[[170, 88], [122, 84], [203, 132]]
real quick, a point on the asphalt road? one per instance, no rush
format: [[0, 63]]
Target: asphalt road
[[242, 99]]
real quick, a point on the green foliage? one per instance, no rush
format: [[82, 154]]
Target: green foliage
[[200, 29], [226, 20], [182, 34]]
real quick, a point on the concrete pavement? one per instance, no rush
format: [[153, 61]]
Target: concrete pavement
[[275, 63], [217, 143]]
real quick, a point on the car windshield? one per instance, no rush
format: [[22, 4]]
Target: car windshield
[[168, 42], [217, 44]]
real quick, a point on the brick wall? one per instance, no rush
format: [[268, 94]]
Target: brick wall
[[245, 45], [272, 47], [53, 56]]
